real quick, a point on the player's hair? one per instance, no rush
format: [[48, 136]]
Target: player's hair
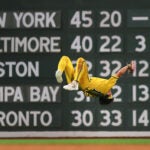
[[104, 100]]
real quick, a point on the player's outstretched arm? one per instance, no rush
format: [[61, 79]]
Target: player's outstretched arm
[[129, 67]]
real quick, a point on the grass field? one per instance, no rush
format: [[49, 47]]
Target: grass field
[[76, 141], [75, 144]]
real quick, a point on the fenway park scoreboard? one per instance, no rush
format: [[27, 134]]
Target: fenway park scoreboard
[[108, 34]]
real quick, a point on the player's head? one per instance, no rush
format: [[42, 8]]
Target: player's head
[[104, 100]]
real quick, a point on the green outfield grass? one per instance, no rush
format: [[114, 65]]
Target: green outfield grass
[[75, 141]]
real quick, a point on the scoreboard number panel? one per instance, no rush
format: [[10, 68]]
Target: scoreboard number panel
[[85, 18], [81, 19], [138, 18], [139, 93], [82, 118], [138, 43], [139, 119], [110, 18], [96, 119], [33, 104], [118, 93], [107, 67], [110, 43], [142, 68], [143, 94], [81, 43], [110, 118], [79, 97]]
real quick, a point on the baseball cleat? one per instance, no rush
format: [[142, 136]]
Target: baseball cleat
[[73, 86]]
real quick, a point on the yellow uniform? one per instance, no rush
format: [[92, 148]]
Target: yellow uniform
[[80, 74]]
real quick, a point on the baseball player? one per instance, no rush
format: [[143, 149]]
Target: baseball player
[[78, 79]]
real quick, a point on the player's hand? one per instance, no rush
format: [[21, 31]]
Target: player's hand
[[58, 76]]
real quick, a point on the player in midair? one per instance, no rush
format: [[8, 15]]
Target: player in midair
[[78, 79]]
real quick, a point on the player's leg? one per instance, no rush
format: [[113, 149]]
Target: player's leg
[[130, 67], [64, 65], [80, 76], [81, 71]]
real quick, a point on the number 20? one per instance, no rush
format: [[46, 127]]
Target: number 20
[[113, 19]]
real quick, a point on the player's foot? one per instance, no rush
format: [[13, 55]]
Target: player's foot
[[73, 86], [58, 76], [131, 67]]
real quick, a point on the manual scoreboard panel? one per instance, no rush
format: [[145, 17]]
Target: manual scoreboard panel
[[33, 104]]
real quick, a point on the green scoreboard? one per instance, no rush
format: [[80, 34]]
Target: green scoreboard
[[108, 34]]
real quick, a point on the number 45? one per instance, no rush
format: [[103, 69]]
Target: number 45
[[82, 19]]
